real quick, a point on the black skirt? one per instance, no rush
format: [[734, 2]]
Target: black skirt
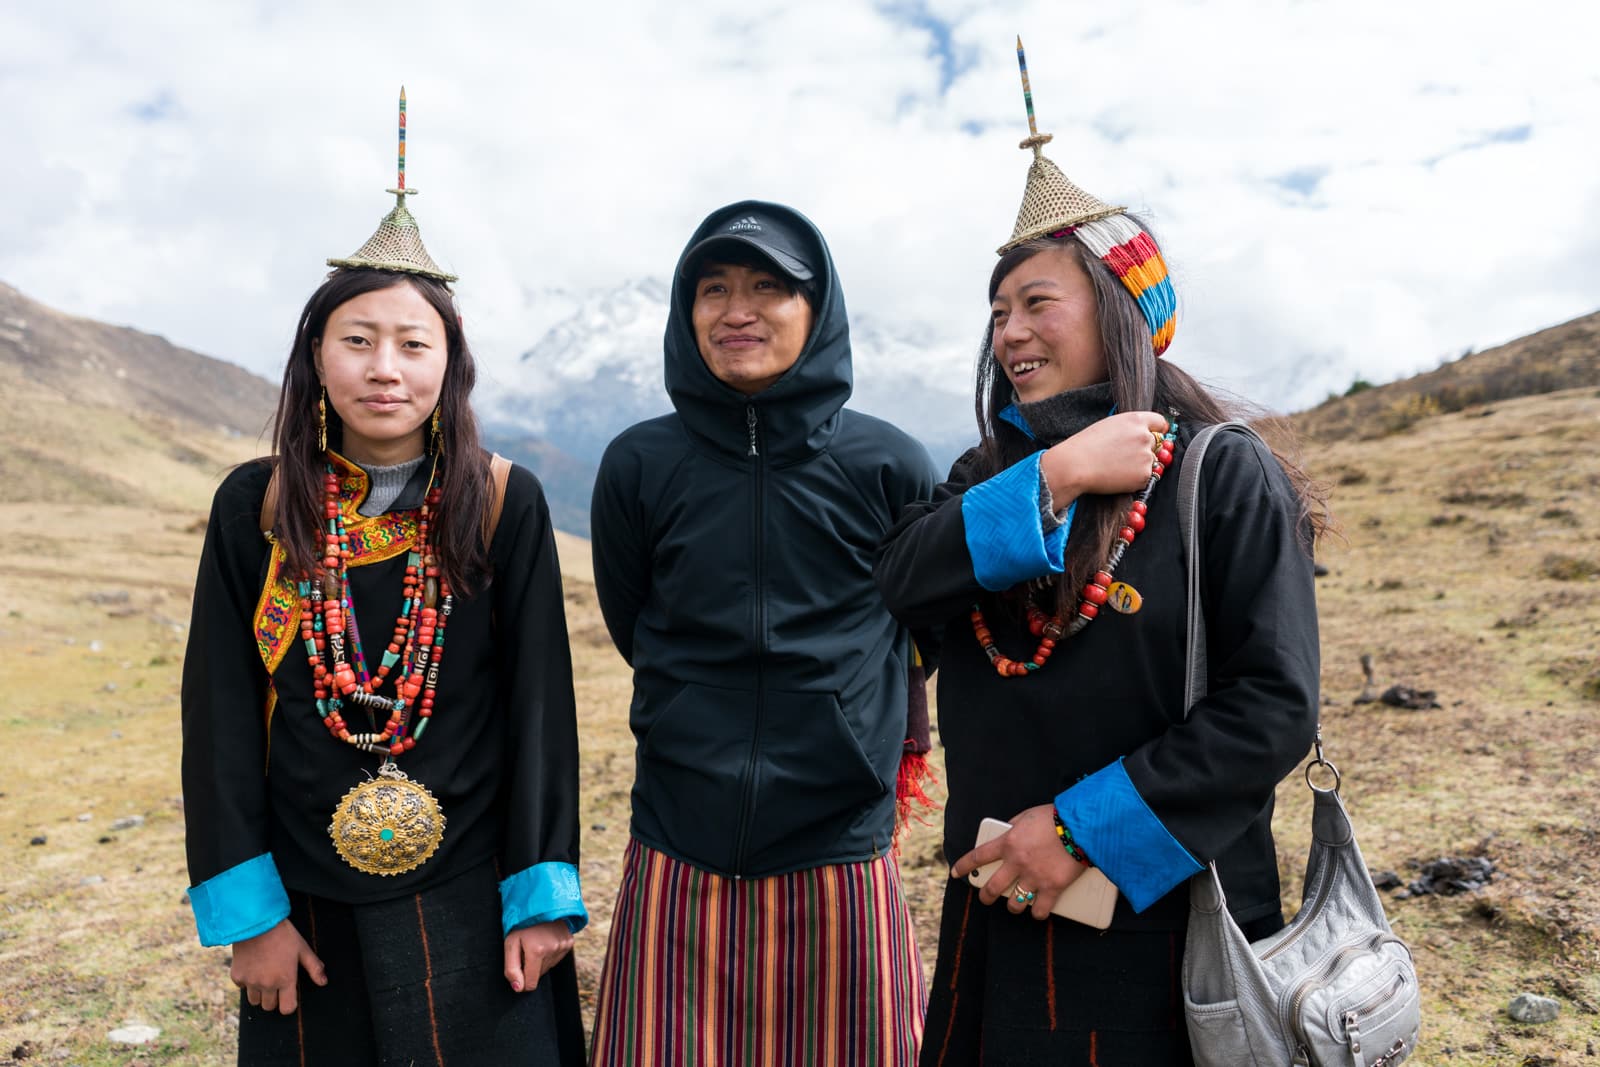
[[1010, 991], [417, 980]]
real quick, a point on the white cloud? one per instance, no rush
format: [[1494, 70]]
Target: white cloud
[[1347, 189]]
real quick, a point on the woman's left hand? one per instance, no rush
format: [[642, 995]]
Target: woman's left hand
[[533, 950], [1032, 859]]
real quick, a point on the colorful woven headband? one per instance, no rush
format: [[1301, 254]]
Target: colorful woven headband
[[1052, 206], [1131, 253]]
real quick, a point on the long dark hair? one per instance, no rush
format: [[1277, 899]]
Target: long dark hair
[[457, 528], [1139, 382]]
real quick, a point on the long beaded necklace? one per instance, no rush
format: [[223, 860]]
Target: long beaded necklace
[[1049, 628], [389, 824]]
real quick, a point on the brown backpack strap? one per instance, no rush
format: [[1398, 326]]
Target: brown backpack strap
[[269, 505], [499, 471]]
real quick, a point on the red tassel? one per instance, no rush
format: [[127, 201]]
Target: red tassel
[[909, 788]]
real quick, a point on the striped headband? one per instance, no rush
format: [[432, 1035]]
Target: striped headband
[[1131, 253]]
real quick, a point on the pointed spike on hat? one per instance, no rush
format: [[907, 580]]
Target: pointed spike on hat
[[1050, 202], [397, 244]]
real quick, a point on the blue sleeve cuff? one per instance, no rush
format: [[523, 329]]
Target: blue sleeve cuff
[[1005, 537], [242, 902], [540, 894], [1117, 829]]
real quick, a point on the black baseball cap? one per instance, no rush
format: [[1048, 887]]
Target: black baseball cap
[[768, 234]]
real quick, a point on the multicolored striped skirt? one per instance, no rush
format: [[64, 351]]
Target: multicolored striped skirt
[[818, 968]]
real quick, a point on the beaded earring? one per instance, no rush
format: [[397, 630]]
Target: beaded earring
[[322, 421], [438, 442]]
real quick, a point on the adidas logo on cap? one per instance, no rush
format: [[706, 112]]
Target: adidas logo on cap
[[746, 223]]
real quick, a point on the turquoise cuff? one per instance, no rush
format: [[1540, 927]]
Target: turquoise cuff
[[242, 902], [1112, 824], [1005, 536], [542, 893]]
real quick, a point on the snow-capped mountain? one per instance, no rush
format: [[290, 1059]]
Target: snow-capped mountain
[[597, 370]]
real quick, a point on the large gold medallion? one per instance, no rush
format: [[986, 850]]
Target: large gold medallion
[[387, 825]]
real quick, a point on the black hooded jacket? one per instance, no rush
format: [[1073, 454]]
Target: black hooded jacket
[[733, 550]]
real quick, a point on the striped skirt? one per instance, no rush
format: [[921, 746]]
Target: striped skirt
[[818, 968]]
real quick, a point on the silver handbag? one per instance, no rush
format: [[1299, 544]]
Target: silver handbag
[[1334, 987]]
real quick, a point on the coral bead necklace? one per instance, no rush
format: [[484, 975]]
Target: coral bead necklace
[[333, 641], [389, 824], [1049, 628]]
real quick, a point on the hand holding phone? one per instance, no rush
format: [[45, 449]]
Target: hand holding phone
[[1090, 899]]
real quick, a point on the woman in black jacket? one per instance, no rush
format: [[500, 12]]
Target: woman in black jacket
[[1052, 560]]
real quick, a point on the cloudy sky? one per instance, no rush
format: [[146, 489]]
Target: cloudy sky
[[1353, 188]]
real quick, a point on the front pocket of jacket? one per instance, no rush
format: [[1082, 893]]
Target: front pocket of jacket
[[812, 782], [692, 769]]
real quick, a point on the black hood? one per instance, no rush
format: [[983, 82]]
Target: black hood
[[797, 414]]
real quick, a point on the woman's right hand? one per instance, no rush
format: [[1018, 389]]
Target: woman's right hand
[[268, 965], [1115, 455]]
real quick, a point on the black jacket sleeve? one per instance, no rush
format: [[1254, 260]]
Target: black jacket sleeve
[[534, 662], [619, 540], [225, 688], [1210, 776], [924, 569]]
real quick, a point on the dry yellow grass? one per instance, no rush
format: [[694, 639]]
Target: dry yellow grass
[[94, 930]]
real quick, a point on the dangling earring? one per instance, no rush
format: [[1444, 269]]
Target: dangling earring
[[322, 421], [438, 443]]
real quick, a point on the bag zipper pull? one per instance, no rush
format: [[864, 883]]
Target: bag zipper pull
[[1352, 1032]]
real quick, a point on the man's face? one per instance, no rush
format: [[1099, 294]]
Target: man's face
[[749, 325]]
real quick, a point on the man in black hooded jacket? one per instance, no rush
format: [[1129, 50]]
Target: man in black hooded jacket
[[733, 549]]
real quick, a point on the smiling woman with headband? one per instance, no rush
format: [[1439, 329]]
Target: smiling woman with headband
[[1053, 561], [400, 825]]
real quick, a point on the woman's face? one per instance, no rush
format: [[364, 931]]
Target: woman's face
[[749, 326], [1046, 330], [382, 357]]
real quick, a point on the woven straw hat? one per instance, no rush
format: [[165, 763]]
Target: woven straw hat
[[1051, 201], [1053, 206], [397, 245]]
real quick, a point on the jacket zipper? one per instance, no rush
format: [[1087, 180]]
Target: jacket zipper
[[747, 806]]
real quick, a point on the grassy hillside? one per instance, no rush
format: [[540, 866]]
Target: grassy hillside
[[1563, 357]]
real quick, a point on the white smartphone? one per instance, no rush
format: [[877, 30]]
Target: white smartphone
[[1090, 899]]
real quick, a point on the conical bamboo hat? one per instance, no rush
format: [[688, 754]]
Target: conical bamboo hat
[[397, 245], [1051, 201]]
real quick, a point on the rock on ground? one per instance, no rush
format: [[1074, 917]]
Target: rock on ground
[[134, 1035], [1531, 1008]]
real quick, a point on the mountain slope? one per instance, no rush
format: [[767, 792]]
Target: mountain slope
[[1562, 357], [106, 414]]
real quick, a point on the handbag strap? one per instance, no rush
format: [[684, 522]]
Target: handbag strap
[[1205, 893], [1195, 675]]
